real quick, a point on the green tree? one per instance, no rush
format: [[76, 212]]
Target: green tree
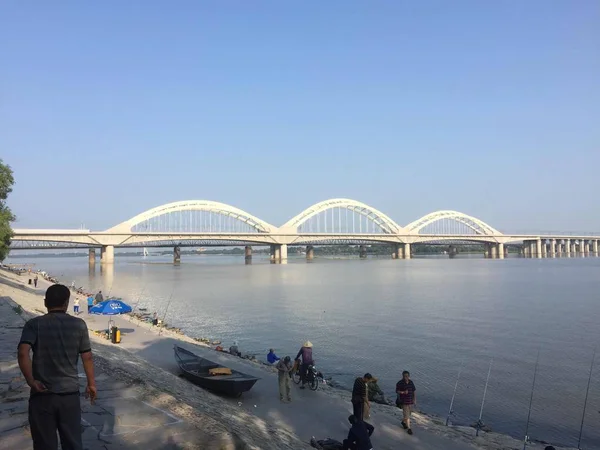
[[6, 215]]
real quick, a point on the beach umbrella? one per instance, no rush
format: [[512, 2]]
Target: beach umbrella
[[111, 307]]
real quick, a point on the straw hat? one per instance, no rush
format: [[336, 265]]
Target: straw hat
[[307, 344]]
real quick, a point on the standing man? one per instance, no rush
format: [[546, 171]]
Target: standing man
[[407, 399], [90, 302], [76, 306], [99, 297], [307, 360], [284, 367], [359, 395], [35, 280], [57, 340]]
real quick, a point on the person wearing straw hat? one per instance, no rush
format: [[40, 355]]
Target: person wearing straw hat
[[307, 359]]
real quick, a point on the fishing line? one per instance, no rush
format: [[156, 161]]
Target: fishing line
[[450, 411], [586, 400], [537, 360], [479, 423]]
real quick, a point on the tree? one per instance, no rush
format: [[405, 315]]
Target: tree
[[6, 215]]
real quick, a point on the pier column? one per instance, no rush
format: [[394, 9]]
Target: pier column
[[248, 253], [283, 252], [310, 253], [501, 253], [538, 248], [107, 254], [595, 247], [493, 251], [92, 257], [395, 251], [544, 249], [275, 252], [407, 251], [487, 251], [582, 248], [362, 252], [532, 248], [568, 248], [553, 248]]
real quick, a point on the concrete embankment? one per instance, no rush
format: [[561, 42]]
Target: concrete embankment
[[143, 363]]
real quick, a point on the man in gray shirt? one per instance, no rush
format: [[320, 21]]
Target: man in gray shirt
[[57, 339]]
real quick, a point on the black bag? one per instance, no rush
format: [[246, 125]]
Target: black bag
[[399, 403]]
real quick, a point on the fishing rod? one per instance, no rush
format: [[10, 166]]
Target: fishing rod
[[450, 411], [537, 361], [586, 400], [167, 309], [479, 423]]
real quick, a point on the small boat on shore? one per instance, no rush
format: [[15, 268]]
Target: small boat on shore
[[212, 376]]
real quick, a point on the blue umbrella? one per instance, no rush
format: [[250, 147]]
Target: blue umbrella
[[111, 307]]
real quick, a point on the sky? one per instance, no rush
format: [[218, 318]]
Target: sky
[[110, 108]]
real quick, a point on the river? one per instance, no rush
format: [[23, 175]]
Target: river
[[427, 315]]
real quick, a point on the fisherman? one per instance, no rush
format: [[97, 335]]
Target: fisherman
[[407, 399], [359, 395], [374, 392], [272, 358], [359, 436], [234, 350], [35, 281], [99, 297], [307, 360], [284, 367], [90, 302]]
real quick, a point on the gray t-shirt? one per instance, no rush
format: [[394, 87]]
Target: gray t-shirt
[[57, 339]]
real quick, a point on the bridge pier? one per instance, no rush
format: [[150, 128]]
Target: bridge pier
[[493, 251], [310, 253], [107, 254], [396, 251], [553, 248], [248, 253], [362, 252], [532, 249], [278, 252], [407, 254], [92, 257], [544, 249], [501, 253], [595, 247], [567, 245]]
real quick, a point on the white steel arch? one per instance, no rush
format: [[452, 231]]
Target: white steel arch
[[478, 226], [196, 205], [379, 218]]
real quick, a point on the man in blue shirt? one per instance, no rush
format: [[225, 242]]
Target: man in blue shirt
[[90, 302], [272, 358]]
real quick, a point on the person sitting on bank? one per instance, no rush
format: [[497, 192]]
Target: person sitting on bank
[[234, 350], [374, 392], [272, 358], [359, 436], [155, 319]]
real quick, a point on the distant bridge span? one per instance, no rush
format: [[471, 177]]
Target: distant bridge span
[[332, 221]]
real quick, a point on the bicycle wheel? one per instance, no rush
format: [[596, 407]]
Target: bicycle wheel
[[296, 376], [314, 383]]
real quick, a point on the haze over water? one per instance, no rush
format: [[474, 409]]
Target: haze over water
[[427, 315]]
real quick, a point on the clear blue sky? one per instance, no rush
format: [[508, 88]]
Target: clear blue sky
[[491, 108]]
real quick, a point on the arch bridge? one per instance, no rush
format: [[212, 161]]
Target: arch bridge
[[333, 221]]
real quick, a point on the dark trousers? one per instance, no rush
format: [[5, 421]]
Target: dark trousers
[[347, 445], [358, 408], [49, 413], [303, 372]]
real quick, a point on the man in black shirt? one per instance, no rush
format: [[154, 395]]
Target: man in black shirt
[[359, 395], [359, 436]]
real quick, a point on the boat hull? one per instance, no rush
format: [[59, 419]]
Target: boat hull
[[195, 369]]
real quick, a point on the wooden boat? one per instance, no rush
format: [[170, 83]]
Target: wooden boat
[[198, 371]]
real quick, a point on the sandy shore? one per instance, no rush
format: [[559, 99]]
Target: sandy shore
[[321, 414]]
